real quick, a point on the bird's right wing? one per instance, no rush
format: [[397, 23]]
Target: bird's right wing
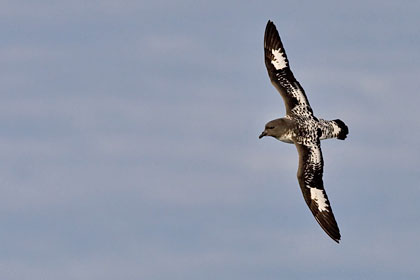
[[280, 74], [311, 166]]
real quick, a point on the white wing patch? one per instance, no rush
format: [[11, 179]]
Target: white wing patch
[[279, 60], [319, 197]]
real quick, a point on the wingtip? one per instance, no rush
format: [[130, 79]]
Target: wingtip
[[333, 233], [328, 223], [336, 236], [270, 24]]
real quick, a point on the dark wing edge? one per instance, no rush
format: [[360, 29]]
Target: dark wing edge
[[279, 71], [309, 175]]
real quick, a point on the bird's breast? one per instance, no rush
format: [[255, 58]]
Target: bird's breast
[[286, 137]]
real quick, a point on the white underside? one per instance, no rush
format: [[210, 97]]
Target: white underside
[[286, 138]]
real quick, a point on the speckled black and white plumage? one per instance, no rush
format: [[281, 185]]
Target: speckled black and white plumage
[[303, 129]]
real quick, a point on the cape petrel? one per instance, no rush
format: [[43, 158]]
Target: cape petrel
[[302, 128]]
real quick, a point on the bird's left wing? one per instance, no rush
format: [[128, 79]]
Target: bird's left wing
[[281, 76], [311, 166]]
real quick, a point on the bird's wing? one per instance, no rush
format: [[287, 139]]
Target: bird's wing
[[280, 74], [311, 166]]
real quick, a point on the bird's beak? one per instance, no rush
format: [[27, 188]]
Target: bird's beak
[[264, 133]]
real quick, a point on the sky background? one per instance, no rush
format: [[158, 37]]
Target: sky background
[[129, 140]]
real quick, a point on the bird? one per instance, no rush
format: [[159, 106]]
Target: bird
[[303, 129]]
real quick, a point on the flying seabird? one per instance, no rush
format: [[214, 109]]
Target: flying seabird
[[302, 128]]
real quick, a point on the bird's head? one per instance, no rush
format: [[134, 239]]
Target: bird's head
[[273, 128]]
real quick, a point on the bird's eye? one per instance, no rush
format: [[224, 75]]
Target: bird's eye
[[270, 127]]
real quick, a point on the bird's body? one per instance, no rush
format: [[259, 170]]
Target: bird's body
[[298, 129], [302, 128]]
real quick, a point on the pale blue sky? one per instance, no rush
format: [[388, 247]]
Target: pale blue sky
[[129, 140]]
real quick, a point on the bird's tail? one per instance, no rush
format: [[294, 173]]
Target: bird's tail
[[344, 130]]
